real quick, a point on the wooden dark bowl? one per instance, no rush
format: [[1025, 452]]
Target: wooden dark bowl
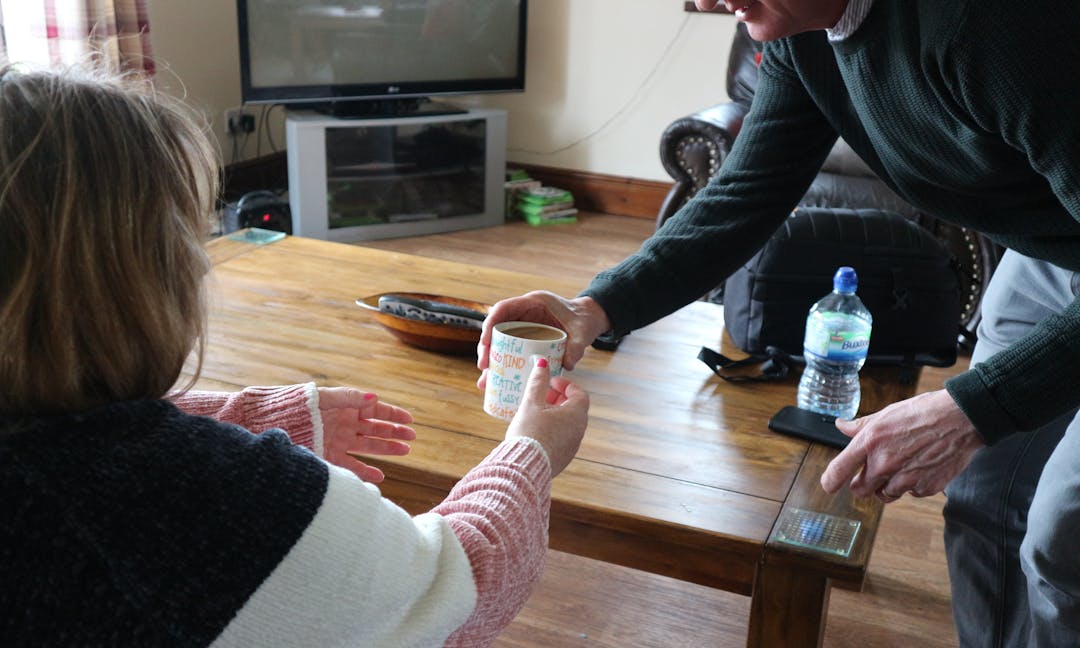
[[444, 338]]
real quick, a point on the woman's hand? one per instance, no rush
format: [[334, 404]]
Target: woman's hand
[[581, 318], [356, 421], [553, 411]]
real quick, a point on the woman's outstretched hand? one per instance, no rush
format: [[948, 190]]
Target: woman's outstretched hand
[[357, 422]]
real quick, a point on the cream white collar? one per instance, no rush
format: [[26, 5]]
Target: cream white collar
[[853, 17]]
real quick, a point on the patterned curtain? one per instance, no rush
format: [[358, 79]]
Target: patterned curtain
[[61, 32]]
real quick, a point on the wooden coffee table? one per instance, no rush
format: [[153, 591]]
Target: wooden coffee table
[[678, 473]]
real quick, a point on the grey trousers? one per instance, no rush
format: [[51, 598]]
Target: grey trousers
[[1012, 518]]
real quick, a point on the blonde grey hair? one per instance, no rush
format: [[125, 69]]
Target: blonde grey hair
[[105, 189]]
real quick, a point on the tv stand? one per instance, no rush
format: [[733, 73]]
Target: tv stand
[[387, 108], [353, 179]]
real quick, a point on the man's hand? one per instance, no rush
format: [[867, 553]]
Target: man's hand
[[356, 421], [915, 446], [581, 318]]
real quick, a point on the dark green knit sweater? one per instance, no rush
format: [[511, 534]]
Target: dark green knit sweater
[[970, 110]]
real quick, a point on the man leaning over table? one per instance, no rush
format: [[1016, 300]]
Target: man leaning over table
[[970, 111]]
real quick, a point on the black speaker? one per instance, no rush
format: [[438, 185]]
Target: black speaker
[[262, 209]]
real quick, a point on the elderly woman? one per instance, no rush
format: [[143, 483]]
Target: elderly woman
[[135, 516]]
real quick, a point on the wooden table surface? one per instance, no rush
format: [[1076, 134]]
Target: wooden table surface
[[678, 473]]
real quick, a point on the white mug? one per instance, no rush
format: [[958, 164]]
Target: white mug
[[514, 349]]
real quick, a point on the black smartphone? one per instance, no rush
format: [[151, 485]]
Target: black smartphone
[[608, 341], [808, 425]]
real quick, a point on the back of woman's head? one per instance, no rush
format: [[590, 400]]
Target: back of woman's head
[[105, 189]]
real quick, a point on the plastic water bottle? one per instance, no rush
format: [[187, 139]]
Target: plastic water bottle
[[835, 345]]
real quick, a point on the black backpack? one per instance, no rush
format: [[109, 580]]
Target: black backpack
[[907, 279]]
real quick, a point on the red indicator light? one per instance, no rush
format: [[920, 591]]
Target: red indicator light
[[266, 218]]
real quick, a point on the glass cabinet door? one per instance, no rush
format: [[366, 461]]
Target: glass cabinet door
[[399, 173]]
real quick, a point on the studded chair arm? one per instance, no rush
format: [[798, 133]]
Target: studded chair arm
[[692, 149]]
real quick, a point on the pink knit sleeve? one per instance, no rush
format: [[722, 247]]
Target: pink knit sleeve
[[499, 512], [293, 408]]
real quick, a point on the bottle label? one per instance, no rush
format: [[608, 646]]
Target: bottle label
[[836, 336]]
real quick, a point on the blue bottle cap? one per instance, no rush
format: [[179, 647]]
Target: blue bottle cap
[[845, 280]]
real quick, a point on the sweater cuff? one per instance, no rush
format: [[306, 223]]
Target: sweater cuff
[[527, 454], [618, 312], [294, 408], [973, 397]]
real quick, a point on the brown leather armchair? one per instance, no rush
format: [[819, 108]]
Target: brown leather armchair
[[693, 148]]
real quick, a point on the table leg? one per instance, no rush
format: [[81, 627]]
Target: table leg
[[787, 608]]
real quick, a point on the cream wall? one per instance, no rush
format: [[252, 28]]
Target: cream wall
[[603, 78]]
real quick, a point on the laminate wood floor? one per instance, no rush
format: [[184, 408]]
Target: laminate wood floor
[[582, 602]]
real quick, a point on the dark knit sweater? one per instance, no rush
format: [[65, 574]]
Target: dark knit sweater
[[143, 524], [87, 562], [967, 109]]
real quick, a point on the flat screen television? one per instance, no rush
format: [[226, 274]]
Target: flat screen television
[[358, 57]]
